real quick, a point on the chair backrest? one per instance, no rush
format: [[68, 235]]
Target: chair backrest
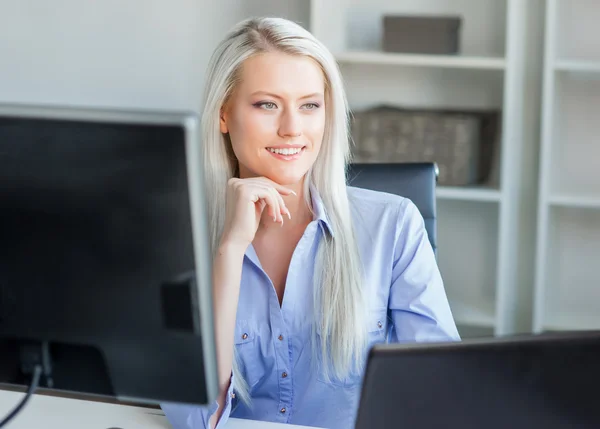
[[415, 181]]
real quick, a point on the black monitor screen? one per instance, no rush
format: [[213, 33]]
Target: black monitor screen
[[96, 251]]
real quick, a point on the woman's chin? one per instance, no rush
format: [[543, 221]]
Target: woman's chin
[[287, 176], [286, 179]]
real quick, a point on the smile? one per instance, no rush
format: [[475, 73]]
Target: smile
[[286, 151]]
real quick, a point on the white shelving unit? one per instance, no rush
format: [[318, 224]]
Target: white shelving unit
[[481, 233], [473, 193], [578, 66], [441, 61], [567, 288]]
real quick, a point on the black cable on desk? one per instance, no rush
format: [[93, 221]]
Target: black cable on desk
[[37, 372]]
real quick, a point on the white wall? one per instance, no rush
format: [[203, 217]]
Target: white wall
[[118, 53], [296, 10]]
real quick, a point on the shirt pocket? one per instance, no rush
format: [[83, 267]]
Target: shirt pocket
[[249, 353], [377, 323]]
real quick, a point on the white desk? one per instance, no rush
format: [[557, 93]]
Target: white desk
[[49, 412]]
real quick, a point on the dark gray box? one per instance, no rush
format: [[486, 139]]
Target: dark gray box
[[421, 34]]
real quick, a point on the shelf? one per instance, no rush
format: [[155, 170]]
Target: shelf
[[468, 315], [568, 243], [571, 322], [575, 29], [470, 331], [578, 66], [469, 275], [570, 293], [415, 60], [572, 137], [468, 193], [569, 327], [582, 201]]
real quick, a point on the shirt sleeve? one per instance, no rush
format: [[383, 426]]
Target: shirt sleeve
[[182, 416], [418, 303]]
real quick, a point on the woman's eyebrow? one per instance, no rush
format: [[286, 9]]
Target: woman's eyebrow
[[270, 94]]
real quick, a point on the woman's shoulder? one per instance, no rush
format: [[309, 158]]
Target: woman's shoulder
[[381, 204]]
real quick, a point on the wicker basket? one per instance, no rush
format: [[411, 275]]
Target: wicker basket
[[460, 142]]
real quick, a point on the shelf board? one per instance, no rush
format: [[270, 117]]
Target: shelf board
[[582, 201], [419, 60], [578, 66], [573, 322], [468, 193], [470, 331], [469, 315], [569, 327]]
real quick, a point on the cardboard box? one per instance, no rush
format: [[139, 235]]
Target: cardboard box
[[421, 34]]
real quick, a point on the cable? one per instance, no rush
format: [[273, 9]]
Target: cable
[[37, 372]]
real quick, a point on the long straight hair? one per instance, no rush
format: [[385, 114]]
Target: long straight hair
[[339, 330]]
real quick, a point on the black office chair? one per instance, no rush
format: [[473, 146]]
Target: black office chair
[[416, 181]]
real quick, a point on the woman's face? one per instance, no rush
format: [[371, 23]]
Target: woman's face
[[276, 117]]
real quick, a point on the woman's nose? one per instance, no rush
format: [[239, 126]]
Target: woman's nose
[[290, 125]]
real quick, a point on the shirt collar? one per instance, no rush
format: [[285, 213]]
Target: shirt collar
[[319, 212]]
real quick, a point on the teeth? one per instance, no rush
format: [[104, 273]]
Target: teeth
[[286, 151]]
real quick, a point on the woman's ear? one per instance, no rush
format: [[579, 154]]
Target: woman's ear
[[223, 121]]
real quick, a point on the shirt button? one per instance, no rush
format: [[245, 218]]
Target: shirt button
[[379, 325], [283, 410], [245, 336], [284, 375], [280, 337]]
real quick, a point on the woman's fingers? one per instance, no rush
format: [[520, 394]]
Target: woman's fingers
[[276, 191], [261, 188], [284, 209], [279, 205], [268, 195]]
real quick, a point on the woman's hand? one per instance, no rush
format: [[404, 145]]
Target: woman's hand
[[247, 199]]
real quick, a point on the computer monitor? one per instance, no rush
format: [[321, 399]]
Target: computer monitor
[[105, 272], [545, 381]]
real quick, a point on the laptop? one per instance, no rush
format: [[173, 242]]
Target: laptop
[[548, 381]]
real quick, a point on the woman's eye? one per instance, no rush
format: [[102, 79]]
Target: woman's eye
[[311, 106], [266, 105]]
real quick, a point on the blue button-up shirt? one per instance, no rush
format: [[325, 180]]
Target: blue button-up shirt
[[407, 303]]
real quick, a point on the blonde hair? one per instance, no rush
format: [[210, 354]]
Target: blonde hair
[[339, 305]]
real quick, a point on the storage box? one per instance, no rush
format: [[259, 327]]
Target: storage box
[[421, 34], [462, 143]]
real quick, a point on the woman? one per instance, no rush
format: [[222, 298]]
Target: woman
[[308, 273]]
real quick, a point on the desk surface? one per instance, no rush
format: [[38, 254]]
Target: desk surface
[[49, 412]]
